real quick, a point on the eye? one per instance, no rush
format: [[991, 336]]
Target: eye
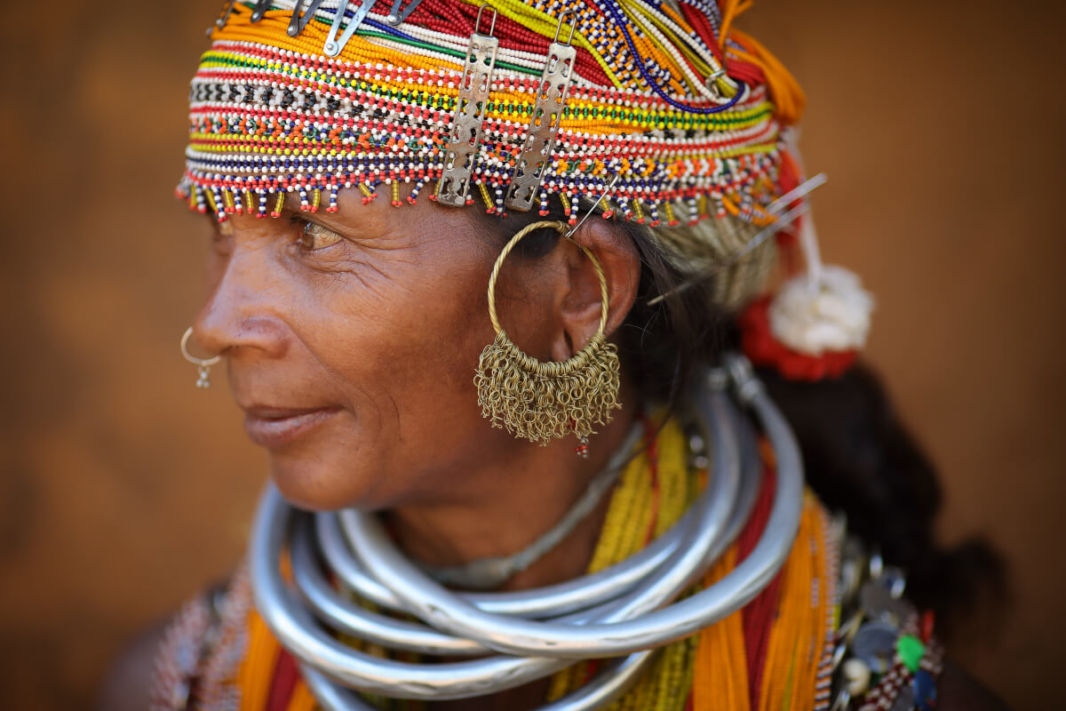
[[314, 236]]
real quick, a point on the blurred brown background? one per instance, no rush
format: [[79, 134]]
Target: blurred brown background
[[124, 488]]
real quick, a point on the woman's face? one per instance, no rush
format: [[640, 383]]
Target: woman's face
[[351, 340]]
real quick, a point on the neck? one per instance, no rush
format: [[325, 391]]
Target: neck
[[510, 502]]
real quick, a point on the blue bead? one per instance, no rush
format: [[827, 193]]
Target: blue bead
[[924, 690]]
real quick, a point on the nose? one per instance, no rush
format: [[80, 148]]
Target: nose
[[242, 315]]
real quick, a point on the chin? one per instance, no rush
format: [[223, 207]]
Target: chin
[[315, 483]]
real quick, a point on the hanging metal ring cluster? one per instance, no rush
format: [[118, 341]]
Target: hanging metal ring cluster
[[541, 401], [509, 639]]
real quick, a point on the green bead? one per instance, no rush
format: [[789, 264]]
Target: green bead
[[910, 650]]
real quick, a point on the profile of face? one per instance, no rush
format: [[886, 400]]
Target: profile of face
[[351, 340]]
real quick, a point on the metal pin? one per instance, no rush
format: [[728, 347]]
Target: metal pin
[[261, 6], [333, 45], [610, 186], [227, 8], [300, 17], [396, 16]]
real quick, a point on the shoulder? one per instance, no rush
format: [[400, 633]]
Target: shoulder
[[128, 682], [188, 659], [958, 691]]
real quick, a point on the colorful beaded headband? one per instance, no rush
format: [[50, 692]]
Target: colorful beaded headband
[[508, 102]]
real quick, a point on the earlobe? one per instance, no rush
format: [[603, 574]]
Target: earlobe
[[580, 310]]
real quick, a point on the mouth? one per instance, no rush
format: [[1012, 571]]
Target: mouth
[[273, 427]]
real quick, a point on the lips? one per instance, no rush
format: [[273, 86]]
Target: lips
[[274, 427]]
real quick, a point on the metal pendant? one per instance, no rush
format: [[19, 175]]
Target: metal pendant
[[874, 644], [878, 603], [544, 126], [465, 135]]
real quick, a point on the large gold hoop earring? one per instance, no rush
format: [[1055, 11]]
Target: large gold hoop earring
[[542, 401]]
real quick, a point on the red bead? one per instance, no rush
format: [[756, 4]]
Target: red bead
[[927, 626]]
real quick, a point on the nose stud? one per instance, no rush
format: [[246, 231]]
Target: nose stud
[[203, 365]]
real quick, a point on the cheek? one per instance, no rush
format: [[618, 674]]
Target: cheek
[[405, 356]]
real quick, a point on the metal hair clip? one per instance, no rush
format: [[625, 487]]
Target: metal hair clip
[[261, 6], [300, 16], [465, 135], [334, 46], [396, 16], [227, 8], [544, 126]]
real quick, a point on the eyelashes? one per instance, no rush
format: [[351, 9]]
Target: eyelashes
[[313, 236]]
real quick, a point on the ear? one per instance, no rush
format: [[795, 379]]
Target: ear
[[581, 302]]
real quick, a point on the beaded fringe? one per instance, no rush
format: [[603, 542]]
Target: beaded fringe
[[265, 197]]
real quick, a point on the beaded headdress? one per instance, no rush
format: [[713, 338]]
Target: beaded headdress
[[658, 112], [507, 103]]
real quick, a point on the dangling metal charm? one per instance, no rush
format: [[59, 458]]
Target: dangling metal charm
[[465, 135], [582, 448], [203, 365], [544, 126]]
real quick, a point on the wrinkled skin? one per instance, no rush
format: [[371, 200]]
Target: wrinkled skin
[[368, 323], [372, 319]]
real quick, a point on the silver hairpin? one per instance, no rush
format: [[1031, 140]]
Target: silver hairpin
[[300, 17], [610, 186], [261, 6], [333, 45], [396, 16], [227, 8]]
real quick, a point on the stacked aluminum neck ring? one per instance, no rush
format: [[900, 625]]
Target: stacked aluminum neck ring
[[625, 611]]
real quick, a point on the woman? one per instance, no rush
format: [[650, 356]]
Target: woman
[[619, 176]]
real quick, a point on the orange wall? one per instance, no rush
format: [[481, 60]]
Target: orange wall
[[123, 488]]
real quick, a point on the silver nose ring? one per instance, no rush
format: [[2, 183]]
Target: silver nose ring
[[203, 365]]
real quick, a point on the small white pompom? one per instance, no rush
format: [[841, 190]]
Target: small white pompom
[[828, 312]]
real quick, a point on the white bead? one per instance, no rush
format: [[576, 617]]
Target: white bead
[[856, 676]]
